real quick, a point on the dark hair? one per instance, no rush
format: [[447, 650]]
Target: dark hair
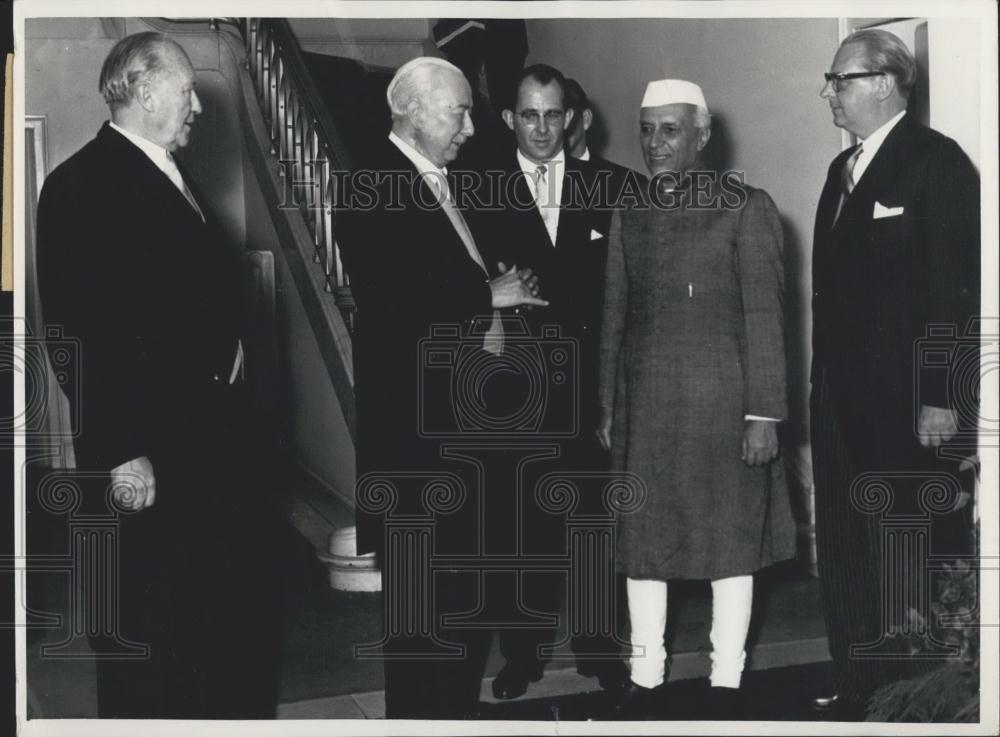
[[886, 52], [543, 74], [575, 99]]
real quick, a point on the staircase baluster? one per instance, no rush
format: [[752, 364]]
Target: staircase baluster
[[300, 140]]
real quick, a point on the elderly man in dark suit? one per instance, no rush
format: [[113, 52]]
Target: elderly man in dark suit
[[693, 385], [415, 264], [133, 264], [895, 251]]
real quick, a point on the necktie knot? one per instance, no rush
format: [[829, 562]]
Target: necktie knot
[[847, 177]]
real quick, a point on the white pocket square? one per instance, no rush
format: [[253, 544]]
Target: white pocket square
[[594, 235], [881, 211]]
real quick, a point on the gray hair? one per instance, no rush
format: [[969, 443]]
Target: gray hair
[[410, 82], [887, 53], [136, 58]]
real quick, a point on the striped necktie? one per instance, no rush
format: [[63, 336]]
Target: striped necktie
[[493, 339], [847, 175], [543, 198]]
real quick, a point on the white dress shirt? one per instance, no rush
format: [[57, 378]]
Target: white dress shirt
[[549, 198], [871, 145]]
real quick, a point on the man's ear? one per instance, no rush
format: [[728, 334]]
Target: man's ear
[[144, 96], [414, 112], [508, 118], [703, 135], [885, 85], [568, 119], [588, 119]]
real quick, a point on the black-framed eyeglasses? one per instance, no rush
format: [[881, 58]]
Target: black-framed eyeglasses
[[533, 117], [838, 78]]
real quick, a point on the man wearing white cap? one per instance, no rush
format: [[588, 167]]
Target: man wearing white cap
[[692, 388]]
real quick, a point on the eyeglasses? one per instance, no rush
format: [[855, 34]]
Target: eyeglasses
[[838, 78], [533, 117]]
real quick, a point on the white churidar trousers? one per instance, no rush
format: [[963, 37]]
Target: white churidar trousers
[[732, 599]]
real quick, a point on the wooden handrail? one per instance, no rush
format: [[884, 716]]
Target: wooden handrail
[[304, 140]]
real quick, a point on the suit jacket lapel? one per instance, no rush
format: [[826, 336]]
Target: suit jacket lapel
[[883, 170], [449, 237], [567, 214], [149, 176]]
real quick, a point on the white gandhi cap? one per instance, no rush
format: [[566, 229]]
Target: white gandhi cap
[[670, 91]]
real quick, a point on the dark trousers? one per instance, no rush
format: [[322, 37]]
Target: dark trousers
[[436, 676], [197, 582], [861, 551], [526, 600]]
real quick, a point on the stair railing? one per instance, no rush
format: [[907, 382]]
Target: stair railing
[[304, 139]]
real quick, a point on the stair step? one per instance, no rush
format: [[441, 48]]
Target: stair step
[[326, 520]]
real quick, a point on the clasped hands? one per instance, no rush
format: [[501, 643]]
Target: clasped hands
[[515, 287]]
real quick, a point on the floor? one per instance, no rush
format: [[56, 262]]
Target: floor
[[321, 678]]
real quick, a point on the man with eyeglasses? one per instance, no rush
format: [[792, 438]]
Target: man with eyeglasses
[[547, 221], [895, 251]]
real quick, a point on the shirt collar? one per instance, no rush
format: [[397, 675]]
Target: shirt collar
[[156, 153], [529, 167], [875, 140], [423, 164]]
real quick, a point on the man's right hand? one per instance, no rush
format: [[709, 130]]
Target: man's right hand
[[133, 485], [513, 288], [604, 428]]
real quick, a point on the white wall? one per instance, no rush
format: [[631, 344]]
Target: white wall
[[954, 79], [389, 42]]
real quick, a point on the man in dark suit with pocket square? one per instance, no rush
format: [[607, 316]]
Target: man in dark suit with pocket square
[[895, 253], [133, 264], [551, 212]]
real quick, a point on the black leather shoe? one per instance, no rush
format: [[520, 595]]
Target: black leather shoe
[[633, 703], [612, 675], [838, 706], [725, 703], [512, 681]]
